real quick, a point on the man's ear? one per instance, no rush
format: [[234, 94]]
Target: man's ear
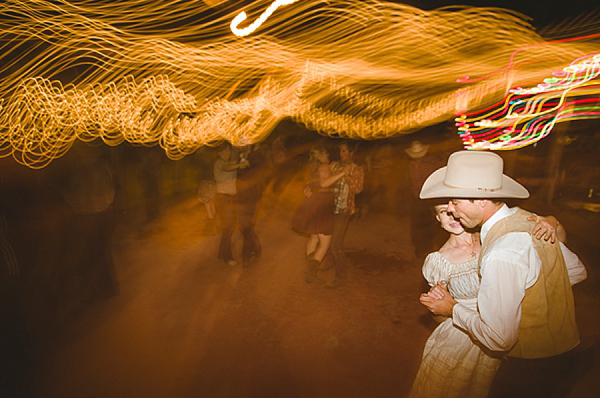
[[483, 203]]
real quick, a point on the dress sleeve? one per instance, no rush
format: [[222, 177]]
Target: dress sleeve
[[434, 270]]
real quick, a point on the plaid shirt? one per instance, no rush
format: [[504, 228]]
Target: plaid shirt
[[347, 187]]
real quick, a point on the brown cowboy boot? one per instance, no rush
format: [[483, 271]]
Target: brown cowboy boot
[[310, 276]]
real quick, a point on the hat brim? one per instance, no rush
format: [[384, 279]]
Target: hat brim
[[434, 188], [417, 154]]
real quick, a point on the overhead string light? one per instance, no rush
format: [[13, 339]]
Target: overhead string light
[[174, 74]]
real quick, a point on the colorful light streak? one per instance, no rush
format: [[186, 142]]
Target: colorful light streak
[[529, 114], [150, 73]]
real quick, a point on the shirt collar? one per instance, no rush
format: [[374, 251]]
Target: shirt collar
[[503, 212]]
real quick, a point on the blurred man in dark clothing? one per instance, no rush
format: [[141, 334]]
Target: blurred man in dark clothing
[[89, 191], [250, 186], [345, 191], [420, 166]]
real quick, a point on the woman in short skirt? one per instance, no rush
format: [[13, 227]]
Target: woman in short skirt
[[314, 216]]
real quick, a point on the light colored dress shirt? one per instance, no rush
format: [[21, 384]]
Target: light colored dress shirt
[[509, 266]]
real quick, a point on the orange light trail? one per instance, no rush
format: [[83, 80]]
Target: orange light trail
[[150, 73]]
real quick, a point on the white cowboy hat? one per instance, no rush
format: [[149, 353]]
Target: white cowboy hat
[[472, 175], [417, 150]]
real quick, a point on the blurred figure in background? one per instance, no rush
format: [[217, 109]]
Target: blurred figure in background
[[207, 190], [89, 191], [314, 216], [13, 339], [225, 172], [345, 191], [381, 163], [420, 166], [250, 186], [278, 161], [150, 160], [363, 202]]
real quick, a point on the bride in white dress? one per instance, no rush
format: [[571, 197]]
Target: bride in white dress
[[453, 364]]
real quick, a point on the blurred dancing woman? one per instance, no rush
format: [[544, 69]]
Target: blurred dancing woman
[[453, 364], [314, 216]]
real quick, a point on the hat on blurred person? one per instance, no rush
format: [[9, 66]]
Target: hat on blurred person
[[472, 175], [417, 150]]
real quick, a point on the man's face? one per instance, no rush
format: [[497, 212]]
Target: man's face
[[225, 153], [345, 154], [468, 212]]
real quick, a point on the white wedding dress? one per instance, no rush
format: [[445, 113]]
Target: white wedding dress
[[453, 365]]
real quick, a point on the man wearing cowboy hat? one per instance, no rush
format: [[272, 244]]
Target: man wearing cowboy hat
[[525, 301]]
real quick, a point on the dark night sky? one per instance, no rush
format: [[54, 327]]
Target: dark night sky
[[543, 12]]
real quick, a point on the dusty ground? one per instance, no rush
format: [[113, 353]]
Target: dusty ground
[[185, 325]]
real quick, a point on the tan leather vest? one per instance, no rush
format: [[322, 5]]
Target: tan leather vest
[[547, 326]]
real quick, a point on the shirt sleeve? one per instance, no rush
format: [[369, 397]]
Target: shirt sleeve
[[509, 266], [575, 267], [355, 180]]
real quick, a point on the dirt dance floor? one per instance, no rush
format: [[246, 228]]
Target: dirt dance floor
[[185, 325]]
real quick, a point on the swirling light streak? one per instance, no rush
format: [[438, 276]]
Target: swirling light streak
[[241, 17], [529, 114], [150, 73]]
